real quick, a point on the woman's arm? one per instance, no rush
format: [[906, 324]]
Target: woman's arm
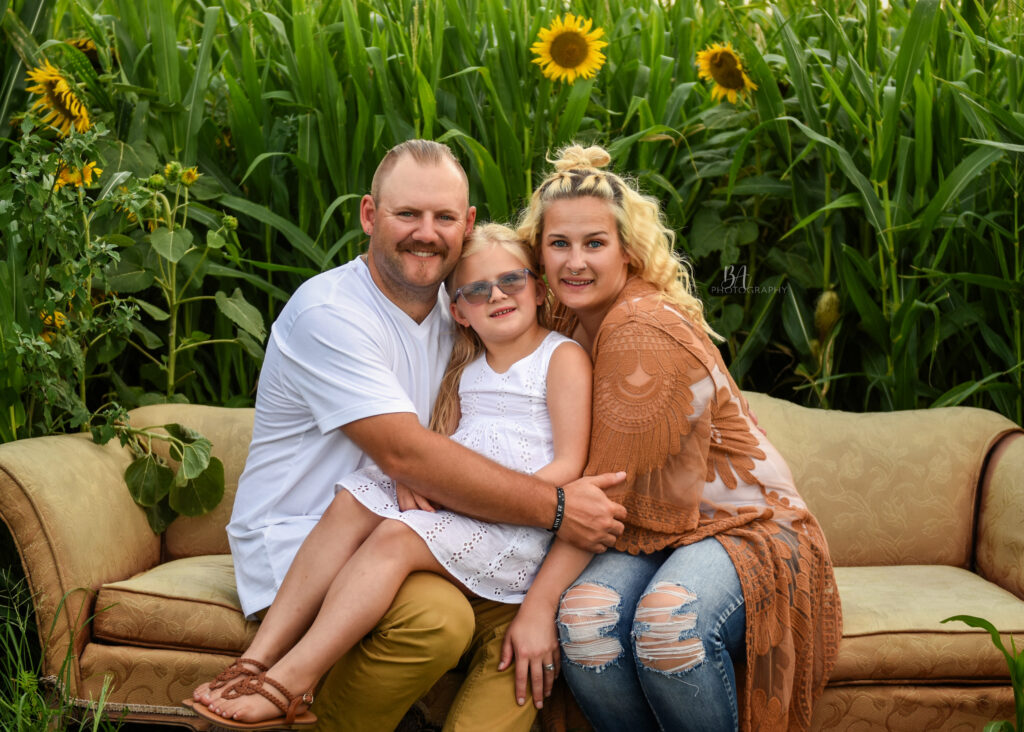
[[531, 638]]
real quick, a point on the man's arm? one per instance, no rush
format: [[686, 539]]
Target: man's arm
[[458, 478]]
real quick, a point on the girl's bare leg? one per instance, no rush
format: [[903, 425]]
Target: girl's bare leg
[[357, 599], [344, 526]]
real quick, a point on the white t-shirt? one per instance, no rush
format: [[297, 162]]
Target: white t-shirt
[[338, 352]]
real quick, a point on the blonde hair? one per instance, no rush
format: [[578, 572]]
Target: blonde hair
[[468, 346], [649, 244]]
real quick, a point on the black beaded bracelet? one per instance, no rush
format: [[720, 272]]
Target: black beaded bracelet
[[559, 510]]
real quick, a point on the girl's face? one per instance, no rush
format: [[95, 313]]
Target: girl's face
[[502, 317], [583, 257]]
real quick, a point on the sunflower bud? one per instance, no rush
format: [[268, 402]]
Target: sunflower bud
[[172, 171], [826, 313], [156, 181], [230, 223]]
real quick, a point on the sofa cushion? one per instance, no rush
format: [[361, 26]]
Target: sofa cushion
[[189, 604], [892, 629], [887, 488]]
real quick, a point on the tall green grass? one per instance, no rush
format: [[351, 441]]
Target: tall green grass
[[879, 159]]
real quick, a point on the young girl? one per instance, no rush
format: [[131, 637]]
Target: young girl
[[520, 395]]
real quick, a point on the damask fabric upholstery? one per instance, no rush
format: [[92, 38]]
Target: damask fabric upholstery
[[915, 708], [187, 604], [892, 629], [154, 679], [48, 485], [906, 484], [1000, 553]]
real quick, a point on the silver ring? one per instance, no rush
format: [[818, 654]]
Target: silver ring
[[549, 667]]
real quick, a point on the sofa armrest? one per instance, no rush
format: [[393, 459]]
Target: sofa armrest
[[1000, 547], [76, 528]]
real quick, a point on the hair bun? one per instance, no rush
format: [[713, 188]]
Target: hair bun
[[577, 156]]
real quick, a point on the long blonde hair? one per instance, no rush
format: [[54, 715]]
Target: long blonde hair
[[648, 243], [468, 346]]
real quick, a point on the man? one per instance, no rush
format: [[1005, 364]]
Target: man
[[352, 369]]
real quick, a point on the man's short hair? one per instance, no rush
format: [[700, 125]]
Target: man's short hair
[[424, 152]]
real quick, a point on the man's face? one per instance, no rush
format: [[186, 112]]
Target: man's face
[[416, 227]]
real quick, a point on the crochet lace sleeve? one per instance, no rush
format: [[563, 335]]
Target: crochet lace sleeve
[[652, 414]]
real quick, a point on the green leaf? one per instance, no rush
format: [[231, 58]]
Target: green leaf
[[129, 274], [250, 345], [201, 493], [962, 174], [149, 339], [912, 49], [152, 310], [214, 240], [241, 313], [171, 245], [160, 516], [148, 481], [195, 102], [193, 452]]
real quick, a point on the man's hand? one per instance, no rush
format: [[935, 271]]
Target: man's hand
[[410, 499], [592, 521]]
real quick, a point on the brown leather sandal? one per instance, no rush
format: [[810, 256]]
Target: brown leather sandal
[[232, 672], [250, 685]]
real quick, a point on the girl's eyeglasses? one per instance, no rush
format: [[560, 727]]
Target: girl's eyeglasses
[[479, 292]]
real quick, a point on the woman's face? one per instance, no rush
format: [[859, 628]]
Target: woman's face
[[583, 257]]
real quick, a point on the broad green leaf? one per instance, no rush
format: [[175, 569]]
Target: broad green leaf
[[251, 346], [171, 245], [148, 481], [149, 339], [201, 493], [241, 313], [151, 310], [160, 516]]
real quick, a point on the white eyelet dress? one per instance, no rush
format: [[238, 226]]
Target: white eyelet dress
[[505, 418]]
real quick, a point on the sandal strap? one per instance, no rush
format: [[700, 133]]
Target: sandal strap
[[235, 670], [254, 685]]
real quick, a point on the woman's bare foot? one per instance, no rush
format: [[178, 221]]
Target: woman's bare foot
[[210, 691]]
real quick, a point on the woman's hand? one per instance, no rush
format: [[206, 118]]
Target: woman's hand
[[532, 640], [409, 499]]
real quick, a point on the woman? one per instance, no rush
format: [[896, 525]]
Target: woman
[[720, 564]]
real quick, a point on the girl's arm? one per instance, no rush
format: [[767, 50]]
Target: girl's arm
[[531, 637]]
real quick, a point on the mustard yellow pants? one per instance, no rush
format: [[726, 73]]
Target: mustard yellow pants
[[429, 629]]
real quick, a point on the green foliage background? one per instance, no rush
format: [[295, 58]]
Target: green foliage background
[[879, 160]]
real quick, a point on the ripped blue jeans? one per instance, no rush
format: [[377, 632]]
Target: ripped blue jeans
[[648, 641]]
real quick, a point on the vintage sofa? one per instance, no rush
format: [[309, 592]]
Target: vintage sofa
[[923, 511]]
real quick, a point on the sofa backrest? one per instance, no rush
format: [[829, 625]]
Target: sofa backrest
[[230, 431], [887, 487]]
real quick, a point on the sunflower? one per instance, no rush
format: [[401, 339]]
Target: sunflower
[[57, 103], [77, 177], [190, 176], [720, 64], [569, 49]]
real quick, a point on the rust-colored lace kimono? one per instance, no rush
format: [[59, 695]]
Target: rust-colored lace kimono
[[667, 411]]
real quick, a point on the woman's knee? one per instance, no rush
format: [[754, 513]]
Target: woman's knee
[[665, 629], [589, 615]]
